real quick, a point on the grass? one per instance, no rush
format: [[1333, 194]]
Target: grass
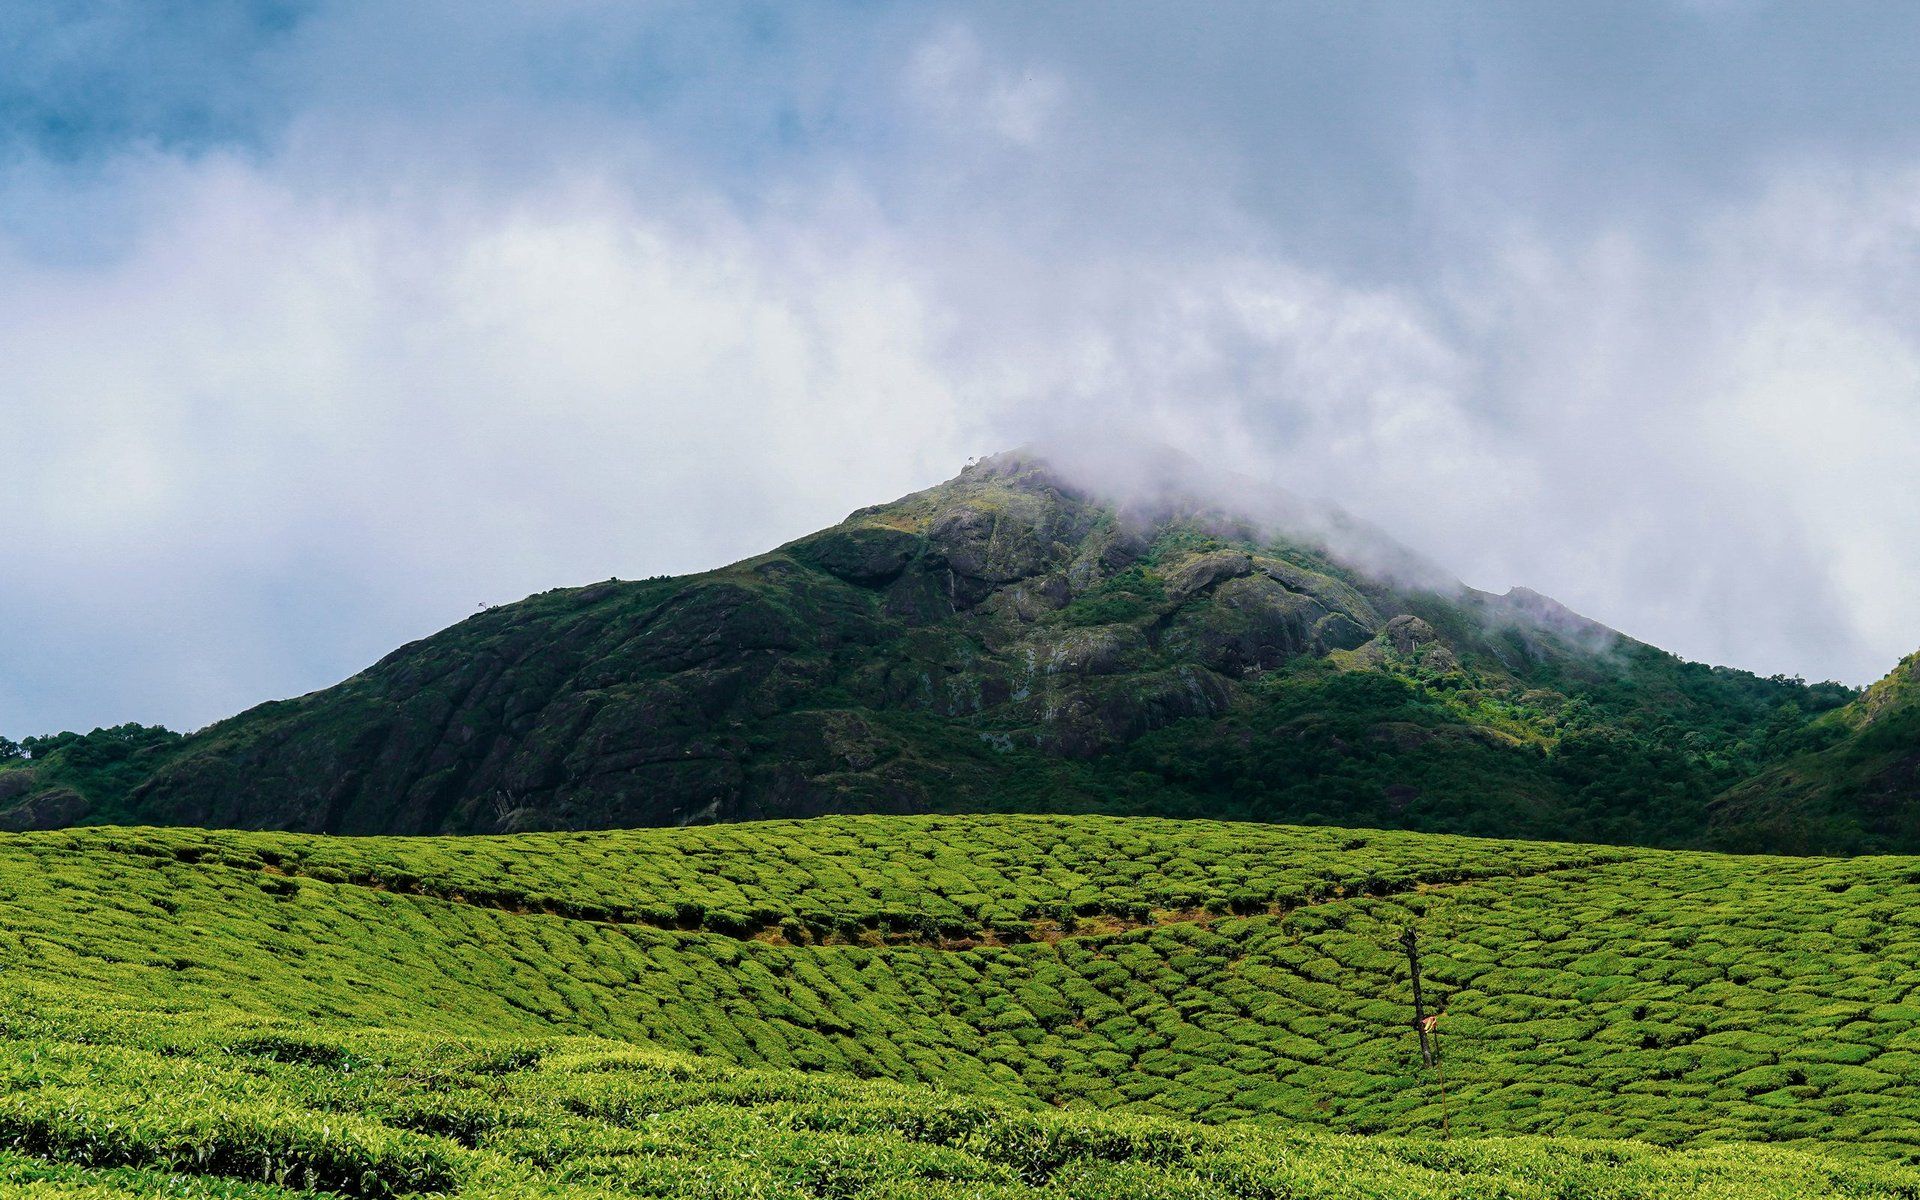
[[954, 1007]]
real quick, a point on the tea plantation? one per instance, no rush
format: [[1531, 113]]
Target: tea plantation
[[158, 1107], [953, 1007]]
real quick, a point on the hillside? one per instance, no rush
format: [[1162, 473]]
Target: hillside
[[1184, 969], [1856, 788], [1166, 641], [952, 1007]]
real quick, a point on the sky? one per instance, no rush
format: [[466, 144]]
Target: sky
[[324, 324]]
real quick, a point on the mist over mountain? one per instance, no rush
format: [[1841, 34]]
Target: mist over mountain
[[1108, 628]]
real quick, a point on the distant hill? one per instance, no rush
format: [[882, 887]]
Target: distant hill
[[1139, 634], [1855, 788]]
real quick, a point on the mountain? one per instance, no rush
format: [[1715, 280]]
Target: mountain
[[1133, 634], [1854, 787]]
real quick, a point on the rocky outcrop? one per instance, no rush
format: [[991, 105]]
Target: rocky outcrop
[[1085, 721], [1410, 642], [47, 808], [1252, 624], [1204, 571]]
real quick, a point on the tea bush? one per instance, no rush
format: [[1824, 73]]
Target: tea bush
[[989, 1006], [579, 1118]]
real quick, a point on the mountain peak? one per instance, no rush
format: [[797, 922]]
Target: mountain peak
[[1149, 488], [1544, 612], [1100, 628]]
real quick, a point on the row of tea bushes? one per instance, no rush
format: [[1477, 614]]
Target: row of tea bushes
[[1675, 998], [239, 1111]]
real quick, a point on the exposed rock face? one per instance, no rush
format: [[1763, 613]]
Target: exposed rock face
[[1407, 634], [1204, 571], [48, 808], [14, 785], [1081, 722], [1409, 642], [1101, 650], [1338, 631], [1253, 623]]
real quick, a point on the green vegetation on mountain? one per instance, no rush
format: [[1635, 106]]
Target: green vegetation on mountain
[[1007, 641], [1854, 786], [65, 778]]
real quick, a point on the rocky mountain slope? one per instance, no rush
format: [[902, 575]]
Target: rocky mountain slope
[[1030, 635]]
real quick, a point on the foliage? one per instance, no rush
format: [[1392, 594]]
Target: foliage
[[579, 1118], [209, 1003], [1849, 782], [104, 765], [1129, 596]]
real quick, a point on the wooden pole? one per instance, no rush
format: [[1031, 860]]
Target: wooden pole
[[1427, 1026], [1410, 940]]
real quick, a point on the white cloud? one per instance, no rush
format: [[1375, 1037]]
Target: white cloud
[[966, 91], [327, 396], [413, 413]]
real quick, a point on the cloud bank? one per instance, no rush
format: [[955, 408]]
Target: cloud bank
[[326, 323]]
